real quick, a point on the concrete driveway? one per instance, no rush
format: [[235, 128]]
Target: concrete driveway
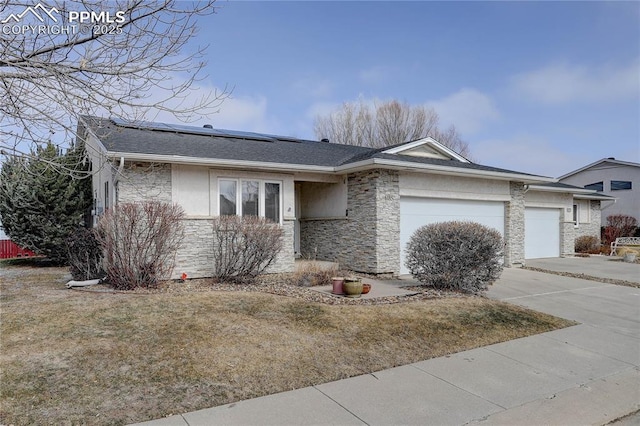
[[586, 374], [595, 266]]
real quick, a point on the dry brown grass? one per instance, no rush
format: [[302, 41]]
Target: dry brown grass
[[72, 357]]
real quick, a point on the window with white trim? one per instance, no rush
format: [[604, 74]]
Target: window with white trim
[[576, 214], [250, 197]]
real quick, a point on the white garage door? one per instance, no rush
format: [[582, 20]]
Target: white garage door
[[417, 212], [541, 233]]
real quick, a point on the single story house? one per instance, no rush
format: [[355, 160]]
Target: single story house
[[615, 178], [354, 205]]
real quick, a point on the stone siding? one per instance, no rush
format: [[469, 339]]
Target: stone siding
[[152, 182], [285, 261], [195, 256], [589, 229], [514, 226], [368, 239], [567, 238], [145, 182]]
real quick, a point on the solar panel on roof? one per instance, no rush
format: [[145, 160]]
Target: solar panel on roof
[[193, 130]]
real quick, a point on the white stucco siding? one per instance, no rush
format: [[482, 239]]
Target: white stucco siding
[[190, 188], [452, 187], [103, 177], [584, 212], [323, 200]]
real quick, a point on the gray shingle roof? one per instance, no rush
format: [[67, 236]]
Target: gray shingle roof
[[143, 138]]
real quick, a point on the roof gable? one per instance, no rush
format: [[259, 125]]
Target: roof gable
[[426, 148], [598, 164]]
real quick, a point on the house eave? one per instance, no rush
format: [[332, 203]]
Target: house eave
[[368, 164], [226, 163], [593, 197], [438, 169]]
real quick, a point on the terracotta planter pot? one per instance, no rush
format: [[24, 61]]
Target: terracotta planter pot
[[366, 288], [352, 287], [337, 285]]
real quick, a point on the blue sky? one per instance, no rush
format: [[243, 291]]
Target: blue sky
[[539, 87]]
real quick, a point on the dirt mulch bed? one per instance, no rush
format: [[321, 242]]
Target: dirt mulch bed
[[277, 284]]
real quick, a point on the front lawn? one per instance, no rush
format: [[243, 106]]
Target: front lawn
[[76, 357]]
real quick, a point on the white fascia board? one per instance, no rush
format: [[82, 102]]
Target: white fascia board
[[427, 141], [235, 164], [593, 197], [432, 168], [578, 193], [555, 189]]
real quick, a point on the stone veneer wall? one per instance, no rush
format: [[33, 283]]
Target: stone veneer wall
[[567, 238], [368, 239], [195, 257], [152, 182], [145, 181], [514, 225]]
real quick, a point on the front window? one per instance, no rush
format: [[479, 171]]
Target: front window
[[272, 201], [228, 195], [576, 214], [251, 197]]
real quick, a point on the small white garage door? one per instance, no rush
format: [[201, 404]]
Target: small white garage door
[[541, 233], [416, 212]]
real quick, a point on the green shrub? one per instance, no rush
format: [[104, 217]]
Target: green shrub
[[587, 244], [464, 256], [84, 255]]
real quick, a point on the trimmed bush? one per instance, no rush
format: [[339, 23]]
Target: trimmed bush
[[464, 256], [140, 242], [244, 247], [587, 244], [84, 255]]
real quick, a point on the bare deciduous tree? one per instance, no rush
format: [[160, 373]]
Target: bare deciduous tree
[[386, 123], [128, 59]]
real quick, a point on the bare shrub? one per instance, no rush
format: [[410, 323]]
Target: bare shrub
[[619, 225], [140, 241], [587, 244], [463, 256], [84, 255], [313, 274], [243, 247]]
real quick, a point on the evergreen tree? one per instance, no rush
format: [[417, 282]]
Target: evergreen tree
[[41, 207]]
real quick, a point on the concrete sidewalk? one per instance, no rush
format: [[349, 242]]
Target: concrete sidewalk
[[586, 374]]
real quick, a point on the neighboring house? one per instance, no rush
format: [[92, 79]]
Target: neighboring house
[[618, 179], [354, 205]]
